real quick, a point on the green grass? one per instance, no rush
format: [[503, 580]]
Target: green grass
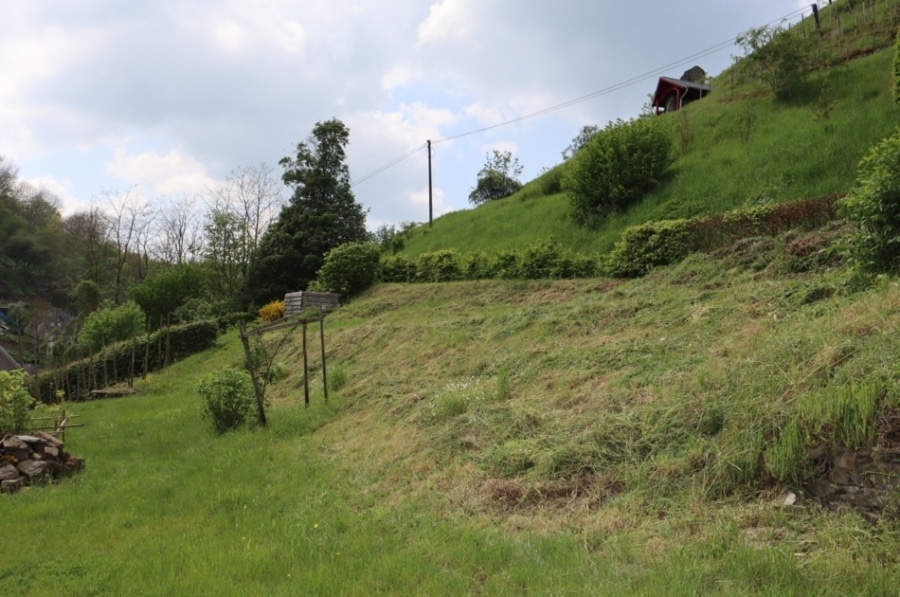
[[570, 437]]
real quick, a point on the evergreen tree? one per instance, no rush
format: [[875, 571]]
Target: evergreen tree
[[321, 214]]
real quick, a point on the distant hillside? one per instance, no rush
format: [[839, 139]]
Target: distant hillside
[[738, 147]]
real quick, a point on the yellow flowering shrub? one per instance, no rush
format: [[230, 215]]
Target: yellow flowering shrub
[[272, 311]]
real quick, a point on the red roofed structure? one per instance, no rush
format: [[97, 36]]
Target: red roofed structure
[[674, 94]]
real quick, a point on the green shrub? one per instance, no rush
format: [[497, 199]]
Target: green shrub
[[649, 245], [15, 402], [652, 244], [193, 309], [874, 205], [110, 324], [476, 266], [505, 265], [541, 260], [780, 58], [350, 268], [227, 399], [397, 269], [439, 266], [617, 167]]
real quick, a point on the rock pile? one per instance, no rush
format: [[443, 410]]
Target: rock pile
[[32, 459]]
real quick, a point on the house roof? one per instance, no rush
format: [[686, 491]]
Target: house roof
[[669, 82], [685, 91], [7, 363]]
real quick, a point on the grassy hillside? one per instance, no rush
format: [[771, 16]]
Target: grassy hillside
[[738, 147], [597, 436], [568, 437]]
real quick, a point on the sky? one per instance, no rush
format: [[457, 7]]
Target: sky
[[170, 96]]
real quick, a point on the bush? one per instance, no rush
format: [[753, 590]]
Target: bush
[[476, 266], [617, 167], [498, 178], [194, 309], [228, 399], [439, 266], [777, 56], [272, 311], [15, 402], [665, 242], [649, 245], [874, 205], [110, 324], [397, 269], [350, 268]]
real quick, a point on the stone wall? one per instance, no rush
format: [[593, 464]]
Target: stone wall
[[867, 482]]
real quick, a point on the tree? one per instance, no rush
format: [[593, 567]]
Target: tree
[[253, 195], [583, 137], [781, 59], [242, 210], [110, 324], [227, 254], [163, 292], [498, 178], [617, 167], [31, 240], [178, 235], [129, 221], [322, 214], [86, 243]]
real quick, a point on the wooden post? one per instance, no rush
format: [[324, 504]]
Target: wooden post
[[430, 208], [133, 351], [251, 367], [159, 346], [815, 11], [322, 342], [305, 370], [168, 339]]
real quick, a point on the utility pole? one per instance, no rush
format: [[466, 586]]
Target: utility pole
[[430, 208]]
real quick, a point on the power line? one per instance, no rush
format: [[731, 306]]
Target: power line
[[390, 164], [650, 74], [621, 85]]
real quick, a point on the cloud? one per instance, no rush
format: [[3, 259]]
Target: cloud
[[448, 20], [172, 173], [193, 89]]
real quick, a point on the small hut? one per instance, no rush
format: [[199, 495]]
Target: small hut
[[674, 94]]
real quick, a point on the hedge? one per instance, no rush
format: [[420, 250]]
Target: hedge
[[649, 245], [540, 260], [114, 363]]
